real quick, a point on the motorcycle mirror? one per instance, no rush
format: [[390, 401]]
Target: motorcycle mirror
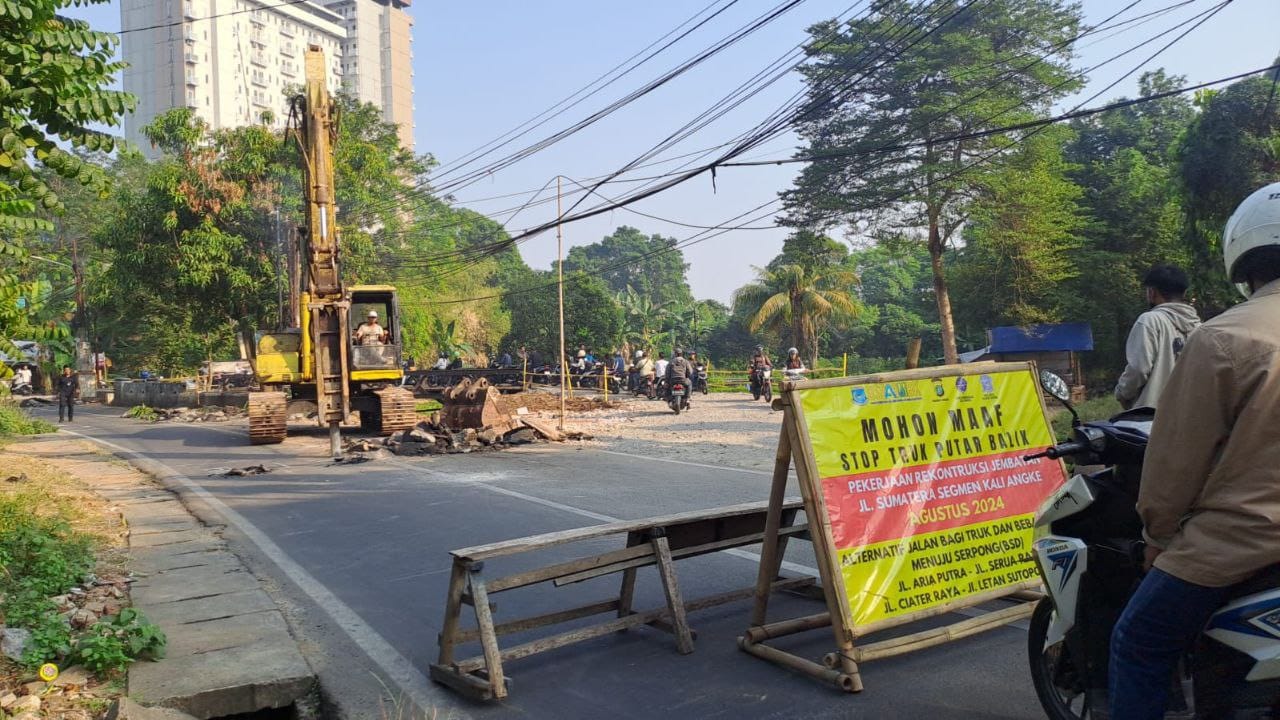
[[1058, 388]]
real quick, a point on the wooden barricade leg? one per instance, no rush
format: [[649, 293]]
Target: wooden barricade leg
[[771, 549], [488, 638], [675, 603], [452, 613], [627, 594]]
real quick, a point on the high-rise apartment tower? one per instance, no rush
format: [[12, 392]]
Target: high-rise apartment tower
[[231, 61]]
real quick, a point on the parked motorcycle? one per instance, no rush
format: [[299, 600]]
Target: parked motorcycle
[[761, 383], [1090, 555], [678, 396]]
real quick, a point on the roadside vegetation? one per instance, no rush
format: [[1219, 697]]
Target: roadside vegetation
[[16, 421], [64, 589]]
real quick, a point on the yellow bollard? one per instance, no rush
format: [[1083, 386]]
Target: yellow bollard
[[844, 366], [606, 383]]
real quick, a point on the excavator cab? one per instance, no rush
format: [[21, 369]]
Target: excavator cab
[[372, 361]]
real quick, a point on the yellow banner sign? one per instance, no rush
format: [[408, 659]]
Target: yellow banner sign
[[926, 490]]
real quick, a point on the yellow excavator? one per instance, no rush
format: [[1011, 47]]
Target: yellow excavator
[[317, 365]]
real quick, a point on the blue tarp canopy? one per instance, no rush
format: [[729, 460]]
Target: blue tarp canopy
[[1073, 337]]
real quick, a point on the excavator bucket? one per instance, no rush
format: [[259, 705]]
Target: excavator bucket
[[473, 404]]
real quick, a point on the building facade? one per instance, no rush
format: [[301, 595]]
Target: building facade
[[236, 65], [377, 57]]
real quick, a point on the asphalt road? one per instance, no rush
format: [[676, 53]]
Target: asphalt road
[[358, 555]]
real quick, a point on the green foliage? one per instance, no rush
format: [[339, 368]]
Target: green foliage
[[897, 297], [629, 259], [591, 315], [142, 412], [53, 88], [15, 421], [1229, 150], [50, 639], [40, 556], [114, 642], [1020, 238], [799, 300], [957, 82]]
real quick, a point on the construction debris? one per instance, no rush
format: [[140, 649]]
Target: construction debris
[[434, 437], [246, 471], [184, 414]]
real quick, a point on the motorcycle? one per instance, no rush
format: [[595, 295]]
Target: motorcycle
[[1089, 551], [761, 383], [700, 379], [678, 396]]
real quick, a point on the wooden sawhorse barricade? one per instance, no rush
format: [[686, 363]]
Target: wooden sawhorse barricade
[[657, 541]]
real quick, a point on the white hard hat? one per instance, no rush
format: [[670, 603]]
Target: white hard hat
[[373, 313], [1254, 224]]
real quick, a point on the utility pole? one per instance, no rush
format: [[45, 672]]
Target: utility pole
[[84, 352], [564, 368]]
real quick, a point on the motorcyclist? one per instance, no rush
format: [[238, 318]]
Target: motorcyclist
[[1210, 492], [619, 366], [645, 371], [758, 362], [793, 360], [680, 369], [442, 362]]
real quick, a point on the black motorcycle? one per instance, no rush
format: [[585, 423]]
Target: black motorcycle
[[700, 379], [678, 396], [760, 380]]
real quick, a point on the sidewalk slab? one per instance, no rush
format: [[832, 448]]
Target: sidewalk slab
[[229, 648]]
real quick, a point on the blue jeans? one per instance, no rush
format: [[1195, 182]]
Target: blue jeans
[[1157, 627]]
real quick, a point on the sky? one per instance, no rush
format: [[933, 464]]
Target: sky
[[482, 69]]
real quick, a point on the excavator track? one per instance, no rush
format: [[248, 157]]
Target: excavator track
[[396, 410], [267, 417]]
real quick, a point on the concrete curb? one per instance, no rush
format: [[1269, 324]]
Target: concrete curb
[[229, 647]]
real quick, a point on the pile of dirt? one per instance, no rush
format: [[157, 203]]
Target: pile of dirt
[[550, 402]]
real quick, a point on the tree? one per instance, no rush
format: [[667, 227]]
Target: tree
[[1020, 237], [629, 259], [199, 234], [896, 288], [591, 315], [892, 129], [54, 78], [1231, 149], [798, 299], [1124, 162], [642, 319]]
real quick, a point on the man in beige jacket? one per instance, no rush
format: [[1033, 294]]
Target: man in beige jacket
[[1210, 495], [1157, 337]]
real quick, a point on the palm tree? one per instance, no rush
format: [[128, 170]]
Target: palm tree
[[796, 299], [642, 317]]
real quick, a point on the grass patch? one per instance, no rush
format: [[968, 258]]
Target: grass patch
[[15, 421], [1099, 408]]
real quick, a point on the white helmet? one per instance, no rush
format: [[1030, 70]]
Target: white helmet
[[639, 354], [792, 351], [373, 313], [1254, 224]]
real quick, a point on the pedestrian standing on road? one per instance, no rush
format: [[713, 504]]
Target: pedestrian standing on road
[[66, 388], [1157, 337]]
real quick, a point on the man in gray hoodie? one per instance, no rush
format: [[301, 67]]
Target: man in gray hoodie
[[1157, 337]]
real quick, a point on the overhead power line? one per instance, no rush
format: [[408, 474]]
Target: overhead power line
[[179, 23]]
